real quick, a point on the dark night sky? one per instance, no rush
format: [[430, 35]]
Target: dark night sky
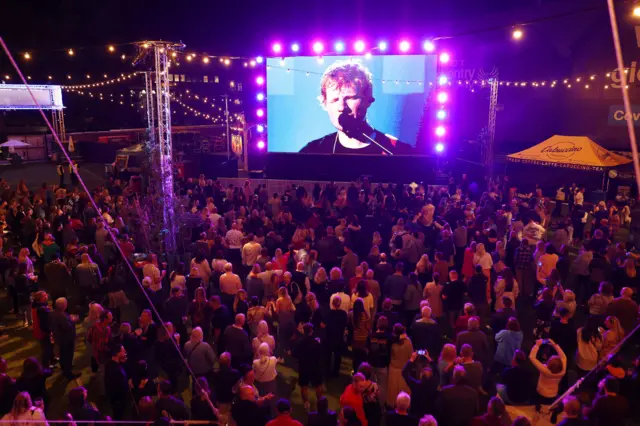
[[556, 48], [244, 27]]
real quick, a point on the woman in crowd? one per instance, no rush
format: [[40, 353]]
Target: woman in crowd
[[468, 265], [361, 326], [33, 380], [23, 411], [361, 292], [370, 396], [401, 350], [177, 277], [255, 315], [201, 312], [482, 258], [432, 293], [612, 336], [424, 269], [264, 367], [285, 311], [544, 308], [589, 346], [506, 285], [240, 305], [412, 298], [319, 286]]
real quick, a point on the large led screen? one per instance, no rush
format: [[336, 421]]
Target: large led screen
[[345, 105]]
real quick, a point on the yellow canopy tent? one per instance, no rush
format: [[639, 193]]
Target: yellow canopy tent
[[574, 152]]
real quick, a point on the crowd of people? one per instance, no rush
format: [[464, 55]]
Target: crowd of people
[[441, 305]]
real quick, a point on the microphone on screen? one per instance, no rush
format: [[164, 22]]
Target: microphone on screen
[[357, 128]]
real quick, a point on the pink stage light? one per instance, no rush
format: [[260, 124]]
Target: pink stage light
[[443, 97], [260, 128], [428, 46], [440, 131], [260, 80], [260, 96], [405, 46], [444, 57], [439, 147], [338, 47], [295, 47], [260, 112], [318, 47], [382, 46], [277, 48], [359, 46], [261, 145]]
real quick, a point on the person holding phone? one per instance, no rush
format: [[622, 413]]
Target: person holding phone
[[551, 373]]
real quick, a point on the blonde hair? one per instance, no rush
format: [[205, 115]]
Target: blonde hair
[[448, 353], [321, 276], [349, 73], [21, 404]]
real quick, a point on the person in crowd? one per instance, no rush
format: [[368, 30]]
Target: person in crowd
[[476, 338], [496, 414], [589, 346], [401, 351], [609, 407], [458, 403], [572, 412], [432, 293], [199, 354], [323, 416], [201, 405], [423, 385], [517, 387], [625, 309], [265, 368], [64, 335], [283, 407], [352, 397], [168, 405], [236, 342], [452, 295], [501, 316], [360, 323], [336, 324], [400, 416], [508, 343], [611, 337], [80, 409], [308, 351], [223, 380], [116, 383], [23, 410], [395, 287], [33, 380], [425, 333], [551, 373]]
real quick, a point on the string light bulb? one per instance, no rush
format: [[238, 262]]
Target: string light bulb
[[27, 56], [205, 60], [636, 11], [111, 49], [71, 52], [517, 34]]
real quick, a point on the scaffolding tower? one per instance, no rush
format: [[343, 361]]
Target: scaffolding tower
[[491, 126], [158, 106]]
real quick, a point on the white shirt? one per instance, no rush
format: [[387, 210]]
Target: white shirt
[[150, 270], [214, 218], [346, 301], [250, 253], [484, 261], [265, 369], [234, 238], [367, 301]]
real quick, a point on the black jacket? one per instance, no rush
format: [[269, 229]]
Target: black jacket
[[248, 413], [116, 382]]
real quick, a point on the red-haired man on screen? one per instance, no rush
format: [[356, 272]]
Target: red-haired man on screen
[[346, 93]]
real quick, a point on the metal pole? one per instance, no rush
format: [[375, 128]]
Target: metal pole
[[245, 140], [491, 127], [226, 114], [163, 102]]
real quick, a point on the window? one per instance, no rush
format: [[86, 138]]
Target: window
[[182, 78], [205, 79], [216, 79]]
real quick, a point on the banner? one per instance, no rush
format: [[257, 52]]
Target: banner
[[617, 115]]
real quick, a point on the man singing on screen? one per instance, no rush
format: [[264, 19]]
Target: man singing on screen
[[346, 93]]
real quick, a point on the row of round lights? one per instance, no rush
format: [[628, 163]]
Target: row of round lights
[[359, 46], [442, 98], [260, 111]]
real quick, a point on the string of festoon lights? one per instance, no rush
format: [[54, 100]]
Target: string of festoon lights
[[123, 78], [120, 100]]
